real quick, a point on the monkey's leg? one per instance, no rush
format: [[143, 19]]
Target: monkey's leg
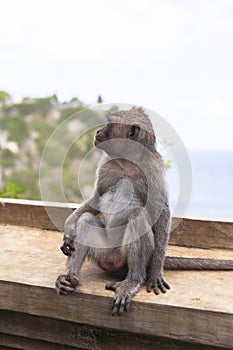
[[70, 228], [86, 232], [138, 244], [155, 279]]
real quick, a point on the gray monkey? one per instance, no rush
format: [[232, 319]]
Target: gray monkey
[[124, 227]]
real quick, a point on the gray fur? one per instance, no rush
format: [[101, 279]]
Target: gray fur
[[125, 224]]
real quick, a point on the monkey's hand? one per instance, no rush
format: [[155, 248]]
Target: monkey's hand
[[157, 283], [67, 246], [66, 284], [125, 291]]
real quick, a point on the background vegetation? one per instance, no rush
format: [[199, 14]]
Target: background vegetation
[[25, 128]]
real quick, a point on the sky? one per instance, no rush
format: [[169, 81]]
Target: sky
[[174, 57]]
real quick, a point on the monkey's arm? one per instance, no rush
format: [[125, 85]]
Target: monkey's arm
[[87, 227], [155, 279], [91, 206]]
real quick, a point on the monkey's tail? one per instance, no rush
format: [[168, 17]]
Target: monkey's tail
[[176, 263]]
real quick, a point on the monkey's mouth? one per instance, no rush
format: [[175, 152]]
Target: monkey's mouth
[[98, 140]]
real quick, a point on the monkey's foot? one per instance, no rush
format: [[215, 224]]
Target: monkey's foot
[[67, 246], [157, 283], [125, 291], [66, 284], [112, 286]]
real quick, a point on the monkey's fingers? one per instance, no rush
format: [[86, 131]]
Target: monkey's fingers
[[67, 248], [63, 286]]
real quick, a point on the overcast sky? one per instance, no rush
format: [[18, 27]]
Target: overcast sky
[[174, 57]]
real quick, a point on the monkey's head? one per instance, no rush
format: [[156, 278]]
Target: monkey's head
[[123, 127]]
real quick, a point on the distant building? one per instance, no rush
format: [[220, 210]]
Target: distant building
[[99, 100]]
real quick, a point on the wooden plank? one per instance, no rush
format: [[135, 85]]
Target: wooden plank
[[189, 232], [203, 234], [8, 341], [48, 216], [21, 331], [33, 257], [166, 321], [37, 261], [198, 308]]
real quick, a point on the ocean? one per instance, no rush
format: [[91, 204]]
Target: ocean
[[212, 185]]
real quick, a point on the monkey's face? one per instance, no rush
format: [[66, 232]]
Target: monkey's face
[[116, 138], [102, 135]]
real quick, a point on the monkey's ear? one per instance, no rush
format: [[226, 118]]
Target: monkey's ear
[[134, 131], [113, 118]]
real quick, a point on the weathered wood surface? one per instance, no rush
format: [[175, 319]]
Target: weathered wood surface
[[151, 318], [9, 341], [203, 233], [200, 233], [54, 333], [34, 214], [198, 309]]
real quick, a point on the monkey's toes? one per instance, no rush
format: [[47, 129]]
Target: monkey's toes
[[111, 286], [121, 303], [65, 285], [159, 284], [73, 279]]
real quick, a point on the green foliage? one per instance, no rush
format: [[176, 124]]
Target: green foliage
[[29, 106], [4, 96], [39, 124], [44, 130], [28, 179], [114, 108], [30, 124], [7, 158], [168, 163], [70, 185], [69, 111], [11, 190], [17, 129], [75, 101], [23, 167]]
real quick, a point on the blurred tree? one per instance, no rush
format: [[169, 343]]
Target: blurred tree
[[28, 125], [11, 190], [7, 158], [16, 127], [4, 97]]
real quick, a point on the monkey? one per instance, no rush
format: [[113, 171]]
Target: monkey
[[124, 226]]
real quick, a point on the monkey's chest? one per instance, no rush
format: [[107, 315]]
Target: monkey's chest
[[117, 203]]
